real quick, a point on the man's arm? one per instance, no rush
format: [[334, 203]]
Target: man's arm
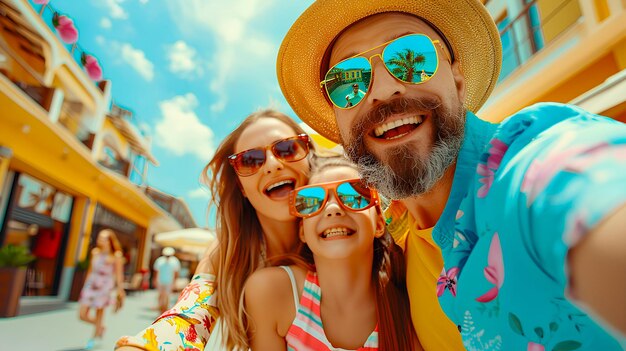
[[598, 270]]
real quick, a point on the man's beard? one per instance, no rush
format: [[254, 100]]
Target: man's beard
[[405, 173]]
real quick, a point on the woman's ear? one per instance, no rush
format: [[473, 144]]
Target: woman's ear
[[301, 232], [241, 188]]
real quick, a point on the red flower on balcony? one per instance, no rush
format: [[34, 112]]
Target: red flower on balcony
[[41, 2], [65, 27], [92, 66]]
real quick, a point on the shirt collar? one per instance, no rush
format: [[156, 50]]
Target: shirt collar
[[477, 134]]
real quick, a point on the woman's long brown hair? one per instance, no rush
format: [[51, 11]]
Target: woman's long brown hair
[[238, 231], [395, 328]]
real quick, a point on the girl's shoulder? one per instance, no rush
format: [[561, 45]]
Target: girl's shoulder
[[269, 296], [272, 285]]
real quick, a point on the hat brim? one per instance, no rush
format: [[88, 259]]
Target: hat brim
[[466, 25]]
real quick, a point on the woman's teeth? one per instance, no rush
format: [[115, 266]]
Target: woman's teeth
[[332, 232], [276, 185], [398, 123]]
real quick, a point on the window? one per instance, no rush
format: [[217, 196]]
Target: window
[[510, 59], [521, 37], [137, 170]]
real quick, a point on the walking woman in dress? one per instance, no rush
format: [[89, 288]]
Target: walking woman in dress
[[250, 177], [349, 290], [105, 275]]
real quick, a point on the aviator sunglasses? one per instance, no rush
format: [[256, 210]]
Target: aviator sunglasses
[[353, 195], [411, 59], [248, 162]]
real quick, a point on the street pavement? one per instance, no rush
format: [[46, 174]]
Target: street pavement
[[61, 330]]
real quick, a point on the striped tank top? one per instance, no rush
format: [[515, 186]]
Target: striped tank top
[[307, 332]]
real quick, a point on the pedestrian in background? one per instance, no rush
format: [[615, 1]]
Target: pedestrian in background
[[105, 274], [166, 269]]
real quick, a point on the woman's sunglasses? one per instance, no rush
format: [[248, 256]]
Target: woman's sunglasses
[[411, 59], [353, 195], [247, 163]]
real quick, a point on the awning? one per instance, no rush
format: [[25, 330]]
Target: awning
[[134, 137], [190, 239]]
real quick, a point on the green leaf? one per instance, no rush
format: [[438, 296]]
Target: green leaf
[[15, 256], [539, 332], [515, 324], [567, 345], [554, 327]]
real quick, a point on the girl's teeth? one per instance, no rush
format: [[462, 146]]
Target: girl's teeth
[[332, 232]]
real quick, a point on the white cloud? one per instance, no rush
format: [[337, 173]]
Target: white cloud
[[200, 192], [136, 59], [100, 40], [183, 60], [143, 2], [181, 131], [115, 8], [105, 23], [236, 44]]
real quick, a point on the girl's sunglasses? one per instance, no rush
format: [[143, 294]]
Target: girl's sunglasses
[[247, 163], [353, 195], [411, 59]]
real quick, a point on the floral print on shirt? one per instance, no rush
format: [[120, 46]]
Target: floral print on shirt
[[524, 193]]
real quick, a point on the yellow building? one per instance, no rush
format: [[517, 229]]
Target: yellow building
[[69, 164], [570, 51]]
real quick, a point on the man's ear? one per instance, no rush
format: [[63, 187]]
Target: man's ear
[[459, 80]]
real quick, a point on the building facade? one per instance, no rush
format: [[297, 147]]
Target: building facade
[[570, 51], [71, 161]]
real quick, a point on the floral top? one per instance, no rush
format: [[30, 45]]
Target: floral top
[[186, 326], [524, 193]]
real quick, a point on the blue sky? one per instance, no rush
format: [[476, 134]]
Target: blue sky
[[190, 70]]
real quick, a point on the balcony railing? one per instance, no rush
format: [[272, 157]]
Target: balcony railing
[[531, 30], [47, 14], [120, 167]]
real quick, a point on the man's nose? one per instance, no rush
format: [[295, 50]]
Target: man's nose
[[384, 85]]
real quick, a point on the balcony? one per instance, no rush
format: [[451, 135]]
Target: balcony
[[21, 57], [47, 14], [537, 24], [71, 118]]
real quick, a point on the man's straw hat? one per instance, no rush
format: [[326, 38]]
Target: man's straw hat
[[465, 24]]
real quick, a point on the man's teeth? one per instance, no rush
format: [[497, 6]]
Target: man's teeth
[[332, 232], [276, 185], [395, 124]]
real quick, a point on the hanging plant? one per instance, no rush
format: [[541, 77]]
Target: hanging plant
[[65, 27], [92, 66]]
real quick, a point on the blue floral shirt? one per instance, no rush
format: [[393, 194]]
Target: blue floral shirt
[[524, 193]]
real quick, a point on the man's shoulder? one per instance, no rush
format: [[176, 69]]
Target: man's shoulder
[[551, 113], [531, 121]]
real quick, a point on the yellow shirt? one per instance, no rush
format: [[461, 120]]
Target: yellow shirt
[[424, 264]]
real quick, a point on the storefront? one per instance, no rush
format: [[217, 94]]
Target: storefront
[[37, 216]]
